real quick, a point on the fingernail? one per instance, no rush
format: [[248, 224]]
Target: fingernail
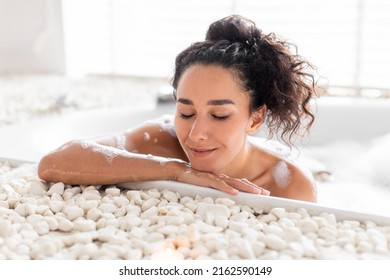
[[234, 191]]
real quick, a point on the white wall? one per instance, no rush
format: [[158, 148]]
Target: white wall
[[31, 37]]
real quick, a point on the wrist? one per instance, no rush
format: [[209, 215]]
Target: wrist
[[177, 167]]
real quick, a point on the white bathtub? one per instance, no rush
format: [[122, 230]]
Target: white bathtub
[[339, 120]]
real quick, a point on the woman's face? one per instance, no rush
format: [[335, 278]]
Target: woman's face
[[212, 118]]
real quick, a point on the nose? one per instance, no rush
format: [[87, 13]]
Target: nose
[[199, 130]]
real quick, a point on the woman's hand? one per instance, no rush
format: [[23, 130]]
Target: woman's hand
[[220, 182]]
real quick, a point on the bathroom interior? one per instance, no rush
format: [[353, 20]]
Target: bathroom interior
[[77, 69]]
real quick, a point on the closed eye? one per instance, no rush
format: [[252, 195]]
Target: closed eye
[[184, 116], [220, 118]]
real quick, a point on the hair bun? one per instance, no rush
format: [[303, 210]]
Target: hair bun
[[234, 28]]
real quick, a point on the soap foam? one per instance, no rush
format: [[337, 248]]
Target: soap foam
[[281, 174], [109, 152], [120, 141], [166, 123], [146, 136]]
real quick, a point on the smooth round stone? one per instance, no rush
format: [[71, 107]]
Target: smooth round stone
[[36, 188], [73, 212], [275, 242], [217, 209], [65, 225], [57, 188]]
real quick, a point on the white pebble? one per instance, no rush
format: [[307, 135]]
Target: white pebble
[[217, 209], [241, 217], [34, 218], [94, 214], [130, 221], [294, 216], [273, 229], [107, 207], [134, 197], [245, 250], [225, 201], [30, 208], [174, 220], [42, 209], [52, 222], [42, 227], [170, 196], [237, 226], [21, 210], [5, 228], [222, 222], [113, 191], [68, 194], [268, 218], [56, 206], [364, 246], [328, 233], [154, 236], [73, 212], [3, 196], [329, 218], [29, 234], [89, 204], [285, 222], [295, 249], [4, 204], [84, 225], [303, 212], [152, 211], [167, 230], [291, 234], [120, 201], [56, 197], [36, 188], [149, 203], [65, 225], [91, 196], [275, 242], [234, 209], [278, 212], [307, 225], [57, 188], [258, 248]]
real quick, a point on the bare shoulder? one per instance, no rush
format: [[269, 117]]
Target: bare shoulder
[[302, 185], [284, 176], [157, 137]]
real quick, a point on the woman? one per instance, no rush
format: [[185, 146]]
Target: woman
[[226, 87]]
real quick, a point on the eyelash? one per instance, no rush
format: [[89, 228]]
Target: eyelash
[[186, 117]]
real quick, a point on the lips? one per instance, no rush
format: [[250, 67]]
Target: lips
[[201, 152]]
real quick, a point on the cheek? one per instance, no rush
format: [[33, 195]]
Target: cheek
[[181, 128], [232, 134]]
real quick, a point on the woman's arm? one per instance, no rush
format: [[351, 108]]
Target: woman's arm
[[110, 160], [89, 162]]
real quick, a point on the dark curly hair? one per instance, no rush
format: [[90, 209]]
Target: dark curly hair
[[265, 68]]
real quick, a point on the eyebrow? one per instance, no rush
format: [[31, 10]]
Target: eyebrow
[[216, 102]]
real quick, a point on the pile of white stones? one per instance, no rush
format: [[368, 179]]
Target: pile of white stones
[[40, 220], [27, 97]]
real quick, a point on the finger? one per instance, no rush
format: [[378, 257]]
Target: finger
[[263, 190], [209, 180], [215, 182], [246, 186]]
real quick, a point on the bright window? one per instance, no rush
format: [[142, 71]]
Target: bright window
[[347, 40]]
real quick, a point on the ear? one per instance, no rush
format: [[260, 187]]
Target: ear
[[256, 120]]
